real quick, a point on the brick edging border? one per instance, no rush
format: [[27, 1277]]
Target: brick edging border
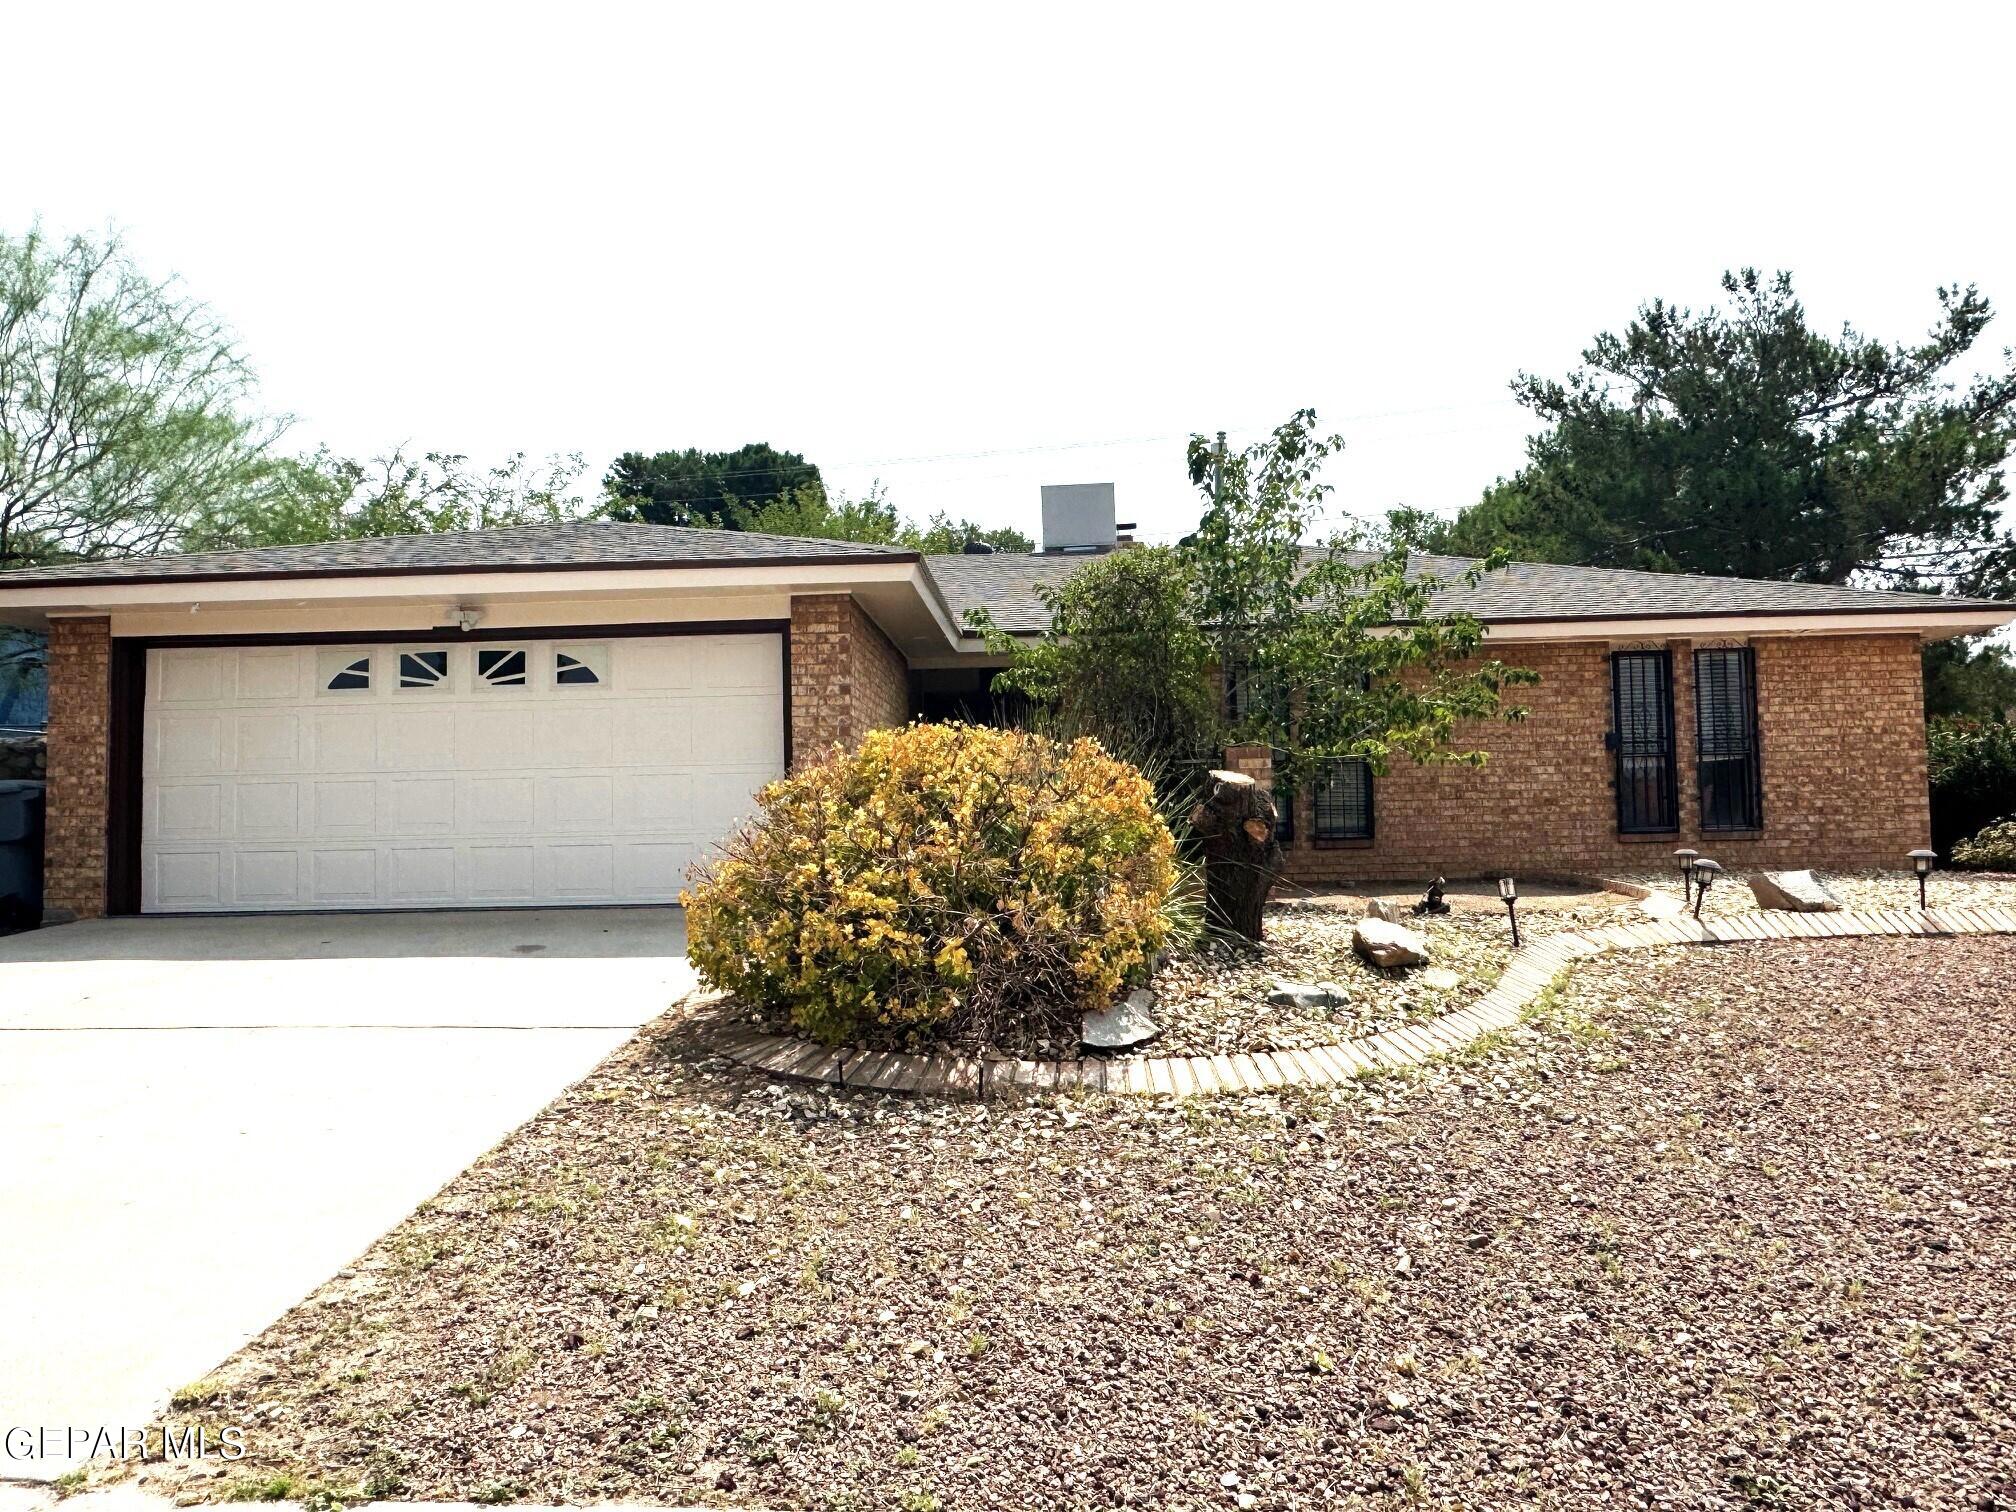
[[1531, 971]]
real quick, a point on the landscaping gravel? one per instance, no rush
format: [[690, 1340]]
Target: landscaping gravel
[[1726, 1227], [1213, 1000], [1855, 889]]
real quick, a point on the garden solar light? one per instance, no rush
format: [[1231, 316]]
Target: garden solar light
[[1921, 863], [1509, 891], [1705, 872], [1686, 859]]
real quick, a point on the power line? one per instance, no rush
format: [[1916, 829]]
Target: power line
[[1087, 445]]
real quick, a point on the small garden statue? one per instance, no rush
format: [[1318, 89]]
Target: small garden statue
[[1433, 903]]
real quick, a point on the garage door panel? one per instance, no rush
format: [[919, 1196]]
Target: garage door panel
[[655, 871], [417, 805], [189, 879], [583, 873], [741, 661], [495, 737], [721, 800], [500, 805], [267, 878], [660, 666], [189, 744], [412, 740], [343, 877], [344, 740], [268, 741], [196, 677], [655, 733], [577, 805], [263, 787], [741, 731], [187, 811], [271, 676], [654, 801], [503, 873], [572, 732], [343, 806], [267, 810], [420, 875]]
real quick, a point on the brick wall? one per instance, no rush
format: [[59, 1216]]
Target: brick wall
[[846, 677], [79, 751], [1841, 730]]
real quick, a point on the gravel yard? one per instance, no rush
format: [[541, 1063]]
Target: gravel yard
[[1725, 1227], [1213, 1000], [1859, 889]]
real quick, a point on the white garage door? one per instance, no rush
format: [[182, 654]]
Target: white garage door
[[476, 773]]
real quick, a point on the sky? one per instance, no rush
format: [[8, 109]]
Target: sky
[[968, 250]]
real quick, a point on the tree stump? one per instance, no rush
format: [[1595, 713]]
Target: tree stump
[[1242, 859]]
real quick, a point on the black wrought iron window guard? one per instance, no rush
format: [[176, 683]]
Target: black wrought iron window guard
[[1641, 687], [1725, 727], [1343, 800]]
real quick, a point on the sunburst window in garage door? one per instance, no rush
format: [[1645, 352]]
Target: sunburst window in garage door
[[345, 672], [423, 669], [501, 668], [579, 666]]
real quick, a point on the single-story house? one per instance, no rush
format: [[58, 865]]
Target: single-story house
[[572, 714]]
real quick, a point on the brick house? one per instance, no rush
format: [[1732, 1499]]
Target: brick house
[[572, 714]]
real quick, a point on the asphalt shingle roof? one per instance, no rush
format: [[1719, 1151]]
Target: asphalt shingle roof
[[1007, 587], [578, 543]]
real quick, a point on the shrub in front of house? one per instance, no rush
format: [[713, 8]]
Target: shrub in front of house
[[1973, 771], [940, 881], [1993, 849]]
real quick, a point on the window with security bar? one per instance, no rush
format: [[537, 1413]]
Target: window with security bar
[[1248, 689], [1641, 687], [1344, 800], [1725, 723]]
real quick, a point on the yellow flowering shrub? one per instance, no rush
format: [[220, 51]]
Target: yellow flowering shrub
[[940, 879]]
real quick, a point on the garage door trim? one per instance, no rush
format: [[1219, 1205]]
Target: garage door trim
[[128, 698]]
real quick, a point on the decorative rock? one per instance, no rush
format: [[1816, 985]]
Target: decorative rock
[[1795, 891], [1379, 908], [1123, 1025], [1386, 944], [1305, 995], [1441, 978]]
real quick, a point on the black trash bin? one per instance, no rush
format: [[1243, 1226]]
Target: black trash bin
[[20, 855]]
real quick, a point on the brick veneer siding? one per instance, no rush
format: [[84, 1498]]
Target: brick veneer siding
[[846, 677], [79, 759], [1841, 730]]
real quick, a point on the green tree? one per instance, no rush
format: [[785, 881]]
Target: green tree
[[693, 487], [1369, 668], [1744, 442], [809, 510], [124, 406], [324, 497], [1125, 662], [941, 535], [1973, 680]]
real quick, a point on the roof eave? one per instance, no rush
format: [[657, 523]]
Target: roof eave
[[460, 569]]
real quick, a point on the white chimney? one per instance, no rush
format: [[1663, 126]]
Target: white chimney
[[1078, 517]]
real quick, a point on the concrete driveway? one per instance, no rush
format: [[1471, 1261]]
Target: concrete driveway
[[202, 1119]]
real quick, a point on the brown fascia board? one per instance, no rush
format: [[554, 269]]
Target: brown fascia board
[[121, 580], [1930, 606]]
